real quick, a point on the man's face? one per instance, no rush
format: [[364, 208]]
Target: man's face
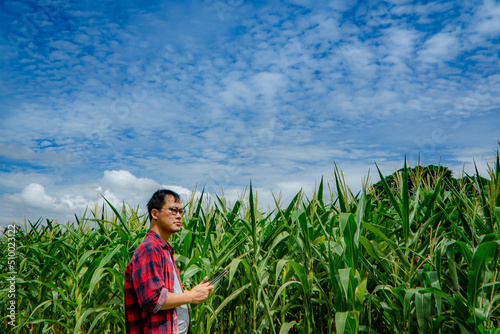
[[169, 217]]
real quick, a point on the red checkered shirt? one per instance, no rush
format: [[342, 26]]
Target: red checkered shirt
[[149, 277]]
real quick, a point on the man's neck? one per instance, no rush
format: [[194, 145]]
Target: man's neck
[[164, 235]]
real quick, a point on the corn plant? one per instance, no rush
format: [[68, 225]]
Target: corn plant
[[419, 259]]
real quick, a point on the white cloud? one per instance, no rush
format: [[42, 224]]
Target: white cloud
[[14, 151], [238, 93], [488, 20], [34, 195], [268, 84], [467, 156], [270, 93], [122, 179], [440, 47], [401, 42], [63, 203]]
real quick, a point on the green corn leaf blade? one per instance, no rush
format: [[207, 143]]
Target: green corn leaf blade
[[110, 255], [190, 272], [331, 266], [393, 200], [484, 202], [351, 251], [423, 309], [247, 228], [277, 241], [320, 193], [406, 204], [464, 202], [414, 208], [285, 328], [432, 202], [392, 244], [407, 302], [464, 327], [123, 220], [292, 205], [96, 320], [301, 274], [438, 264], [320, 220], [207, 244], [345, 323], [361, 211], [233, 268], [118, 278], [234, 212], [455, 227], [230, 298], [361, 289], [196, 265], [283, 288], [253, 221], [343, 221], [352, 323], [488, 237], [97, 276], [479, 315], [82, 319], [437, 324], [465, 251], [491, 285], [199, 209], [452, 267], [497, 213], [279, 268], [340, 194], [303, 224], [187, 242], [370, 249], [340, 321], [497, 185], [437, 292], [123, 214], [344, 280], [43, 322], [84, 258], [222, 204], [267, 308], [482, 255], [224, 253], [434, 280], [98, 273]]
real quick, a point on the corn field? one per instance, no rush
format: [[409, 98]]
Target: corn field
[[400, 260]]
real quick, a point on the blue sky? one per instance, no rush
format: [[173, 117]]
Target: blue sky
[[119, 98]]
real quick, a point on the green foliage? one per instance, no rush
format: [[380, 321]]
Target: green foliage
[[419, 257]]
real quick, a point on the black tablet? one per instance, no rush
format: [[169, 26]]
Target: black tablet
[[217, 276]]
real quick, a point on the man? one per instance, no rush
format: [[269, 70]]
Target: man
[[155, 301]]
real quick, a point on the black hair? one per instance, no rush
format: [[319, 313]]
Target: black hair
[[157, 201]]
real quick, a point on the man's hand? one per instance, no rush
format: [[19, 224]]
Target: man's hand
[[200, 292], [197, 295]]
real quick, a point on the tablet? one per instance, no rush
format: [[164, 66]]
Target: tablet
[[217, 276]]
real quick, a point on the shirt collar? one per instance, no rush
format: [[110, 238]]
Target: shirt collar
[[158, 239]]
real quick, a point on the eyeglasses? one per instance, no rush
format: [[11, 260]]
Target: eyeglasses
[[174, 211]]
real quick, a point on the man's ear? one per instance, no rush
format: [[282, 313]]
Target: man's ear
[[154, 213]]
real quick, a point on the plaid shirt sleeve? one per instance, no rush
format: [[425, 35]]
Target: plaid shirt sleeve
[[147, 277]]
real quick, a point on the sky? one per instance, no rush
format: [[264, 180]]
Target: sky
[[116, 99]]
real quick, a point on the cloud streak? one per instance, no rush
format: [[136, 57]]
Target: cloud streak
[[218, 93]]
